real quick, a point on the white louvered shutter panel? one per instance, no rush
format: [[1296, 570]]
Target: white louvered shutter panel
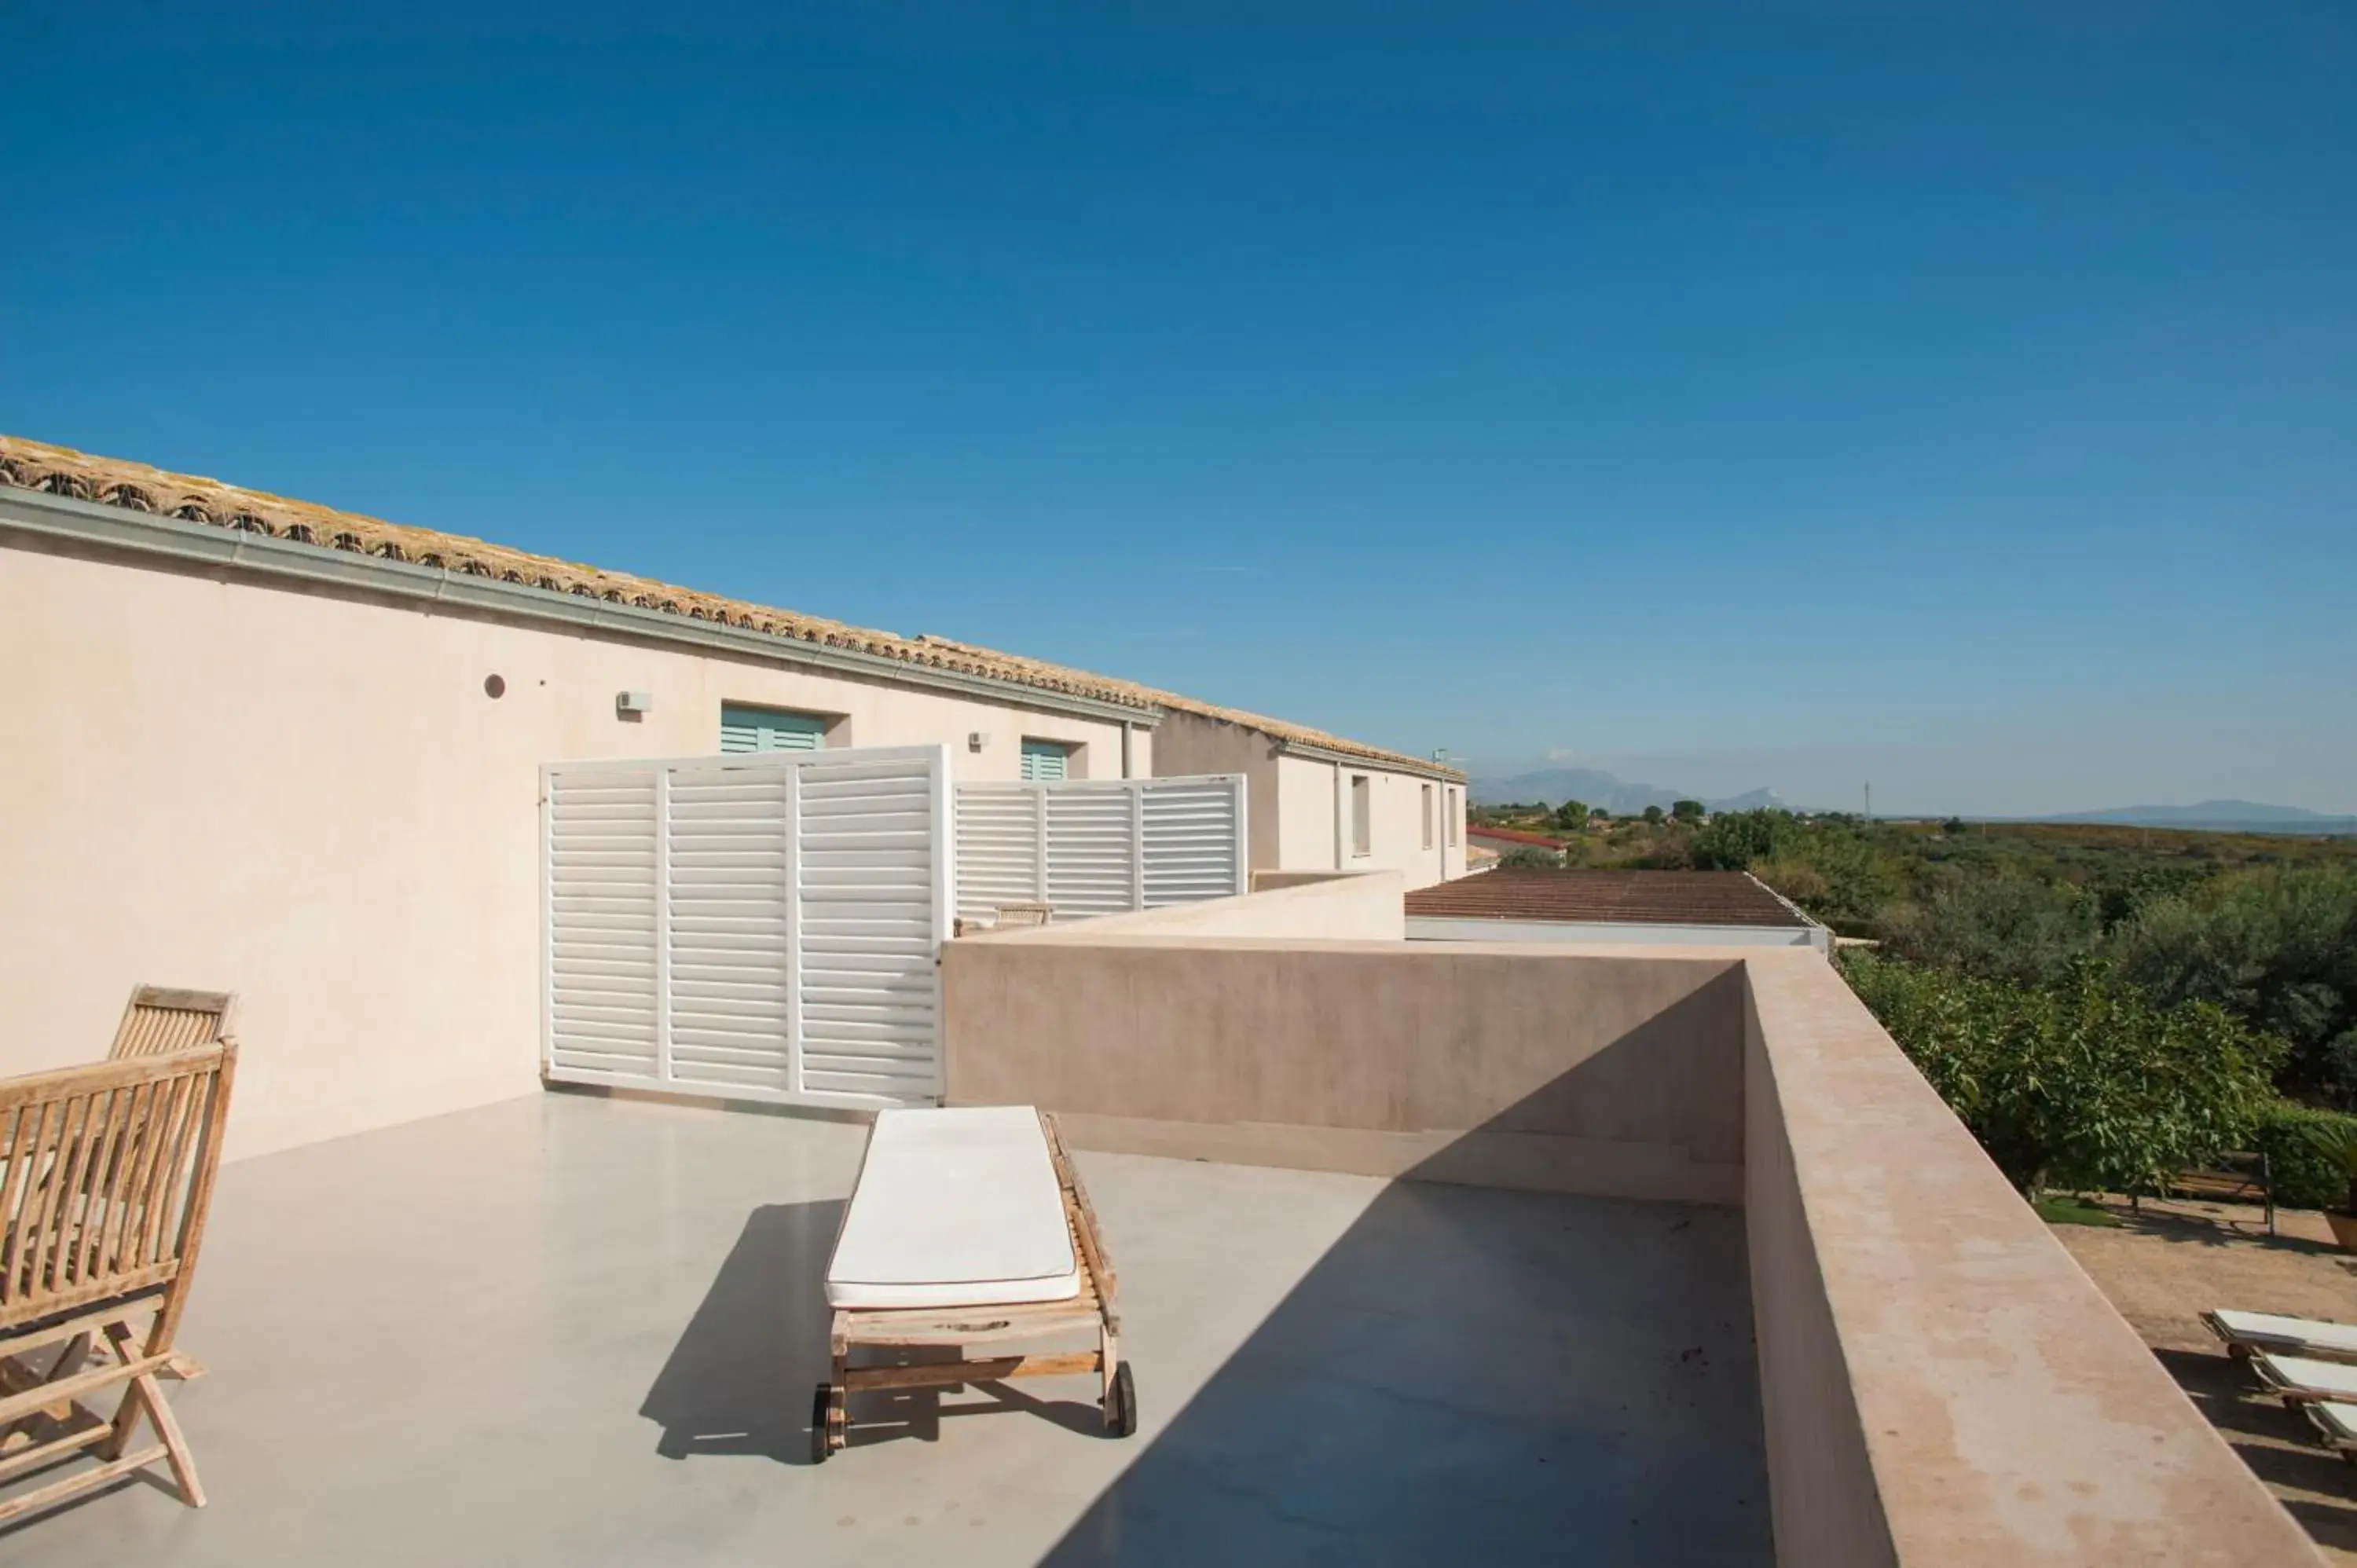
[[870, 926], [731, 961], [760, 927], [601, 890], [997, 848], [1193, 840], [1091, 850]]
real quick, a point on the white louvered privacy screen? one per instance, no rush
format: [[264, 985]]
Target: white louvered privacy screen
[[1099, 846], [764, 926]]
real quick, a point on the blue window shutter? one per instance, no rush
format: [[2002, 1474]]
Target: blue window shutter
[[769, 729], [1043, 761]]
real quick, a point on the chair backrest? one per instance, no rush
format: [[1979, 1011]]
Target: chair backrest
[[160, 1021], [106, 1173]]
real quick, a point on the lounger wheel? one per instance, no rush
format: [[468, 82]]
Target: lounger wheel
[[822, 1436], [1121, 1404]]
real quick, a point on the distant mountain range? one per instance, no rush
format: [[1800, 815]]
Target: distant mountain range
[[1618, 796], [1621, 798]]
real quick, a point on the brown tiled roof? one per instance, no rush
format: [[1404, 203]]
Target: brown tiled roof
[[60, 470], [1648, 897], [1511, 836]]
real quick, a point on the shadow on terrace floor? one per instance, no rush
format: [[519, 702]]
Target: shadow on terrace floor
[[1477, 1374], [739, 1379]]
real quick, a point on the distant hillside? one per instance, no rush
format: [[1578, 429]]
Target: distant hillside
[[1618, 796], [2226, 816]]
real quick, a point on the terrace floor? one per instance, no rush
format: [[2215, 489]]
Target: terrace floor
[[572, 1330]]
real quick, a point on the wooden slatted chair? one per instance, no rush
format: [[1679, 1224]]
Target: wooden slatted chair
[[106, 1173], [158, 1020]]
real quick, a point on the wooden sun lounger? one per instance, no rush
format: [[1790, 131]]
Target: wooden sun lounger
[[900, 1333], [2336, 1425], [2245, 1334], [106, 1173], [2297, 1380]]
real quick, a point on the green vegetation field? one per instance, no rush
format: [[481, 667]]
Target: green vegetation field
[[2102, 1005]]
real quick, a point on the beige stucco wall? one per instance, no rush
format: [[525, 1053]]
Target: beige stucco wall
[[1292, 805], [1313, 801], [311, 801], [1524, 1066], [1941, 1385], [1189, 743]]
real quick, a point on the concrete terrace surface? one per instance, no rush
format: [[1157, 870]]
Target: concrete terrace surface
[[570, 1330]]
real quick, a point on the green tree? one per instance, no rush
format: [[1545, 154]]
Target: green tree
[[1687, 811], [1599, 814], [1526, 857], [2087, 1084], [1653, 815], [1571, 815], [2004, 926], [2276, 948], [1734, 839]]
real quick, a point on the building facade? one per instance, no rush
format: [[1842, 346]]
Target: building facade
[[255, 745]]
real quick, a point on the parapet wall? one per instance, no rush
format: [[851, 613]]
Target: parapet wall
[[1529, 1067], [1942, 1384], [1941, 1387]]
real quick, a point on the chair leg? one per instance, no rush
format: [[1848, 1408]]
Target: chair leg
[[147, 1395], [127, 1414], [176, 1444]]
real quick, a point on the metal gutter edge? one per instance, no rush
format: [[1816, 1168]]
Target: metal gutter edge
[[42, 515], [1822, 937], [1395, 764]]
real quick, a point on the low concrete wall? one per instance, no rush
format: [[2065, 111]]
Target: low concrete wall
[[1647, 933], [1270, 881], [1366, 907], [1940, 1381], [1508, 1066]]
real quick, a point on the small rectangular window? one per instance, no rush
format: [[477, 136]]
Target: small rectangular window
[[1427, 816], [1045, 761], [744, 728], [1362, 829], [1452, 819]]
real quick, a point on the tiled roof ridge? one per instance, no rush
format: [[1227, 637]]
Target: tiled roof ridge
[[136, 486], [1281, 729]]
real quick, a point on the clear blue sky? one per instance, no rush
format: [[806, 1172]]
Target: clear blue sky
[[1725, 396]]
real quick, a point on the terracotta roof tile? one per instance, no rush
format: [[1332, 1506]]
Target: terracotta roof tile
[[1511, 836], [60, 470], [1648, 898]]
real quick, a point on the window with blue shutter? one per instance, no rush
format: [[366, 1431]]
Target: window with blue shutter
[[1043, 760], [769, 729]]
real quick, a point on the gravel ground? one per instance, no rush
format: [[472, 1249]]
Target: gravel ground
[[2167, 1262]]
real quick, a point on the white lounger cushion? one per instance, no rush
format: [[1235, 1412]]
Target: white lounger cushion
[[2299, 1375], [2267, 1331], [955, 1208], [2338, 1422]]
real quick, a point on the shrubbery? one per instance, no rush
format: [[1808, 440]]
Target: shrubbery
[[2087, 1084], [2000, 927], [2303, 1174], [2276, 948]]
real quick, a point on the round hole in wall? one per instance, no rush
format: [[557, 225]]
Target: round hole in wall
[[494, 686]]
